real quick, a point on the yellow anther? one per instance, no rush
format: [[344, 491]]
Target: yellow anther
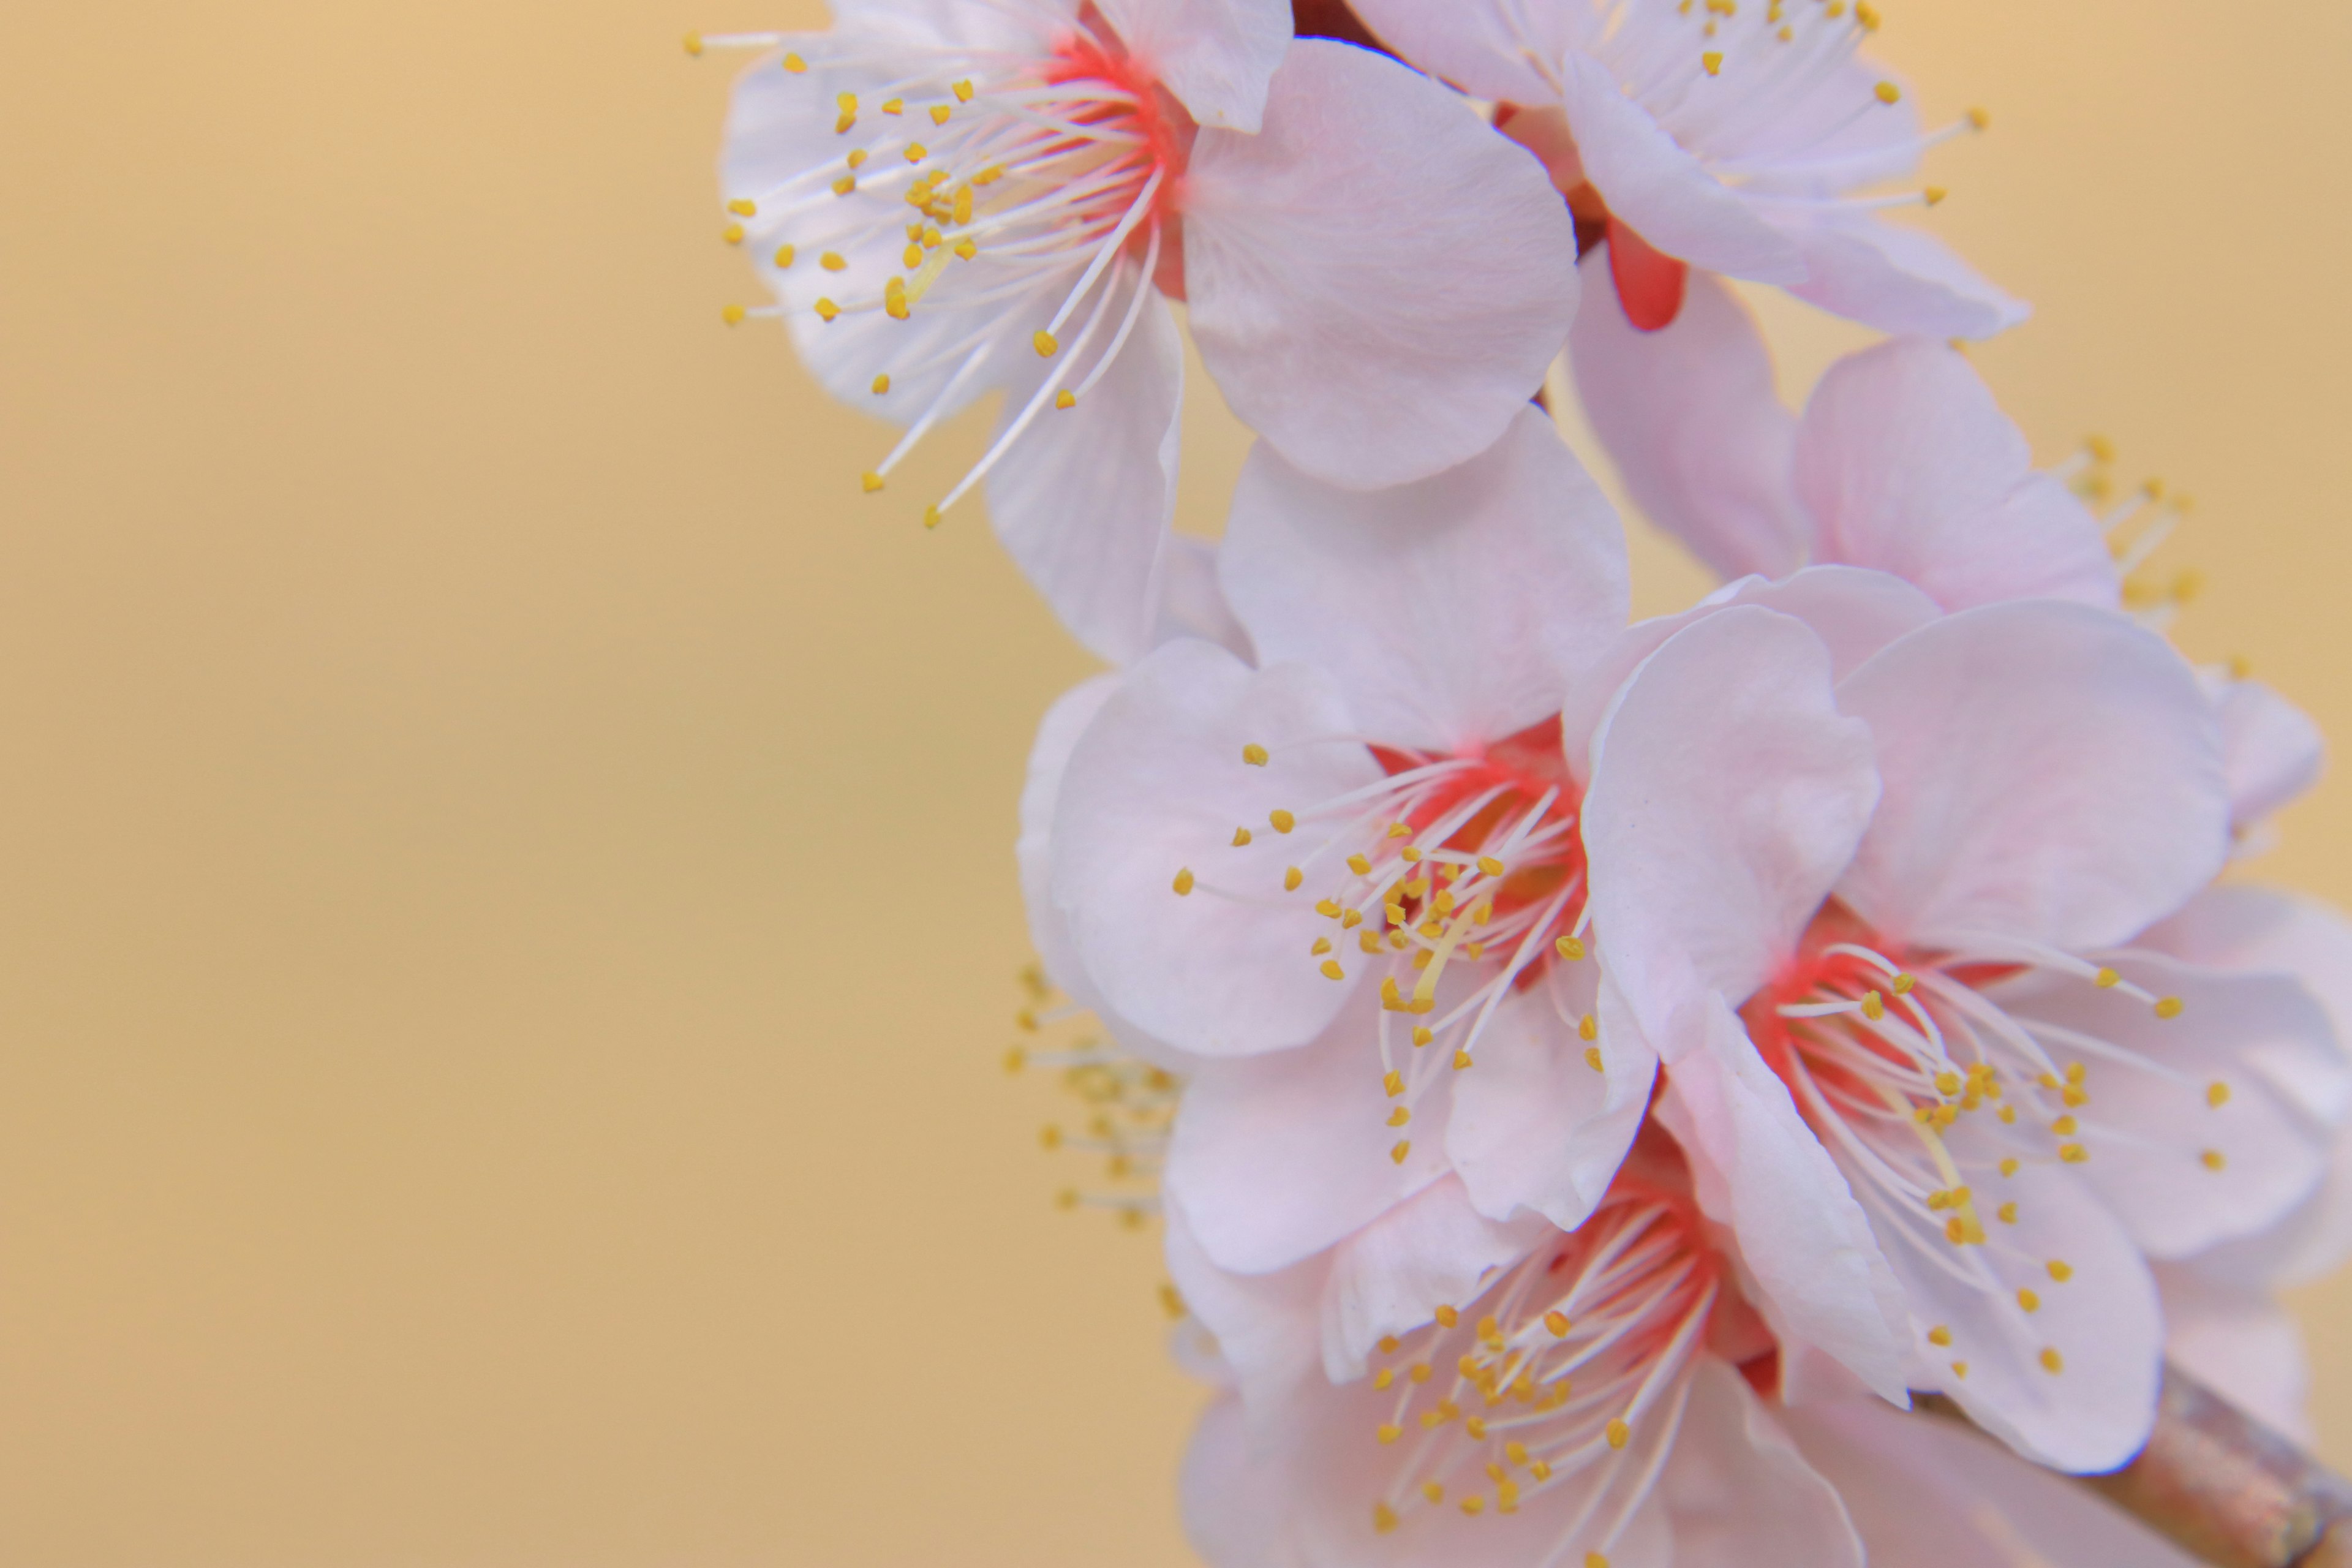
[[795, 64], [2009, 1166], [912, 258], [1411, 856], [931, 516], [1066, 398], [1421, 1034], [1558, 1324], [1400, 1116], [1416, 888], [2106, 979], [1569, 948], [1051, 1138], [2213, 1159], [1394, 1083], [783, 257], [1939, 1335], [1980, 120], [917, 153], [1873, 1006], [1291, 877], [1015, 1059], [2052, 1362], [1329, 908], [2063, 1127], [1934, 196], [1461, 1061], [2073, 1096], [872, 481], [2008, 1113], [1322, 945], [1368, 941], [881, 383], [2217, 1094], [1392, 997], [1254, 754], [962, 90], [733, 314], [1283, 821], [1490, 866], [1359, 864], [1903, 984], [1516, 1451], [1331, 970], [1044, 343], [1593, 1059], [1619, 1432], [1385, 1378], [1384, 1518], [1956, 1231], [1887, 92], [2073, 1153], [1474, 1506], [1713, 61], [732, 234], [2029, 1301], [2167, 1007], [744, 207], [989, 175], [894, 106], [1433, 1490], [2076, 1072], [2061, 1271], [843, 126], [939, 113], [1595, 1560], [694, 43], [1959, 1369], [1419, 1372], [1183, 881], [961, 211], [1242, 837], [1476, 1428], [1404, 1148], [843, 186], [1947, 1083], [832, 261], [1390, 1432], [1447, 1317], [1400, 830], [2008, 1212]]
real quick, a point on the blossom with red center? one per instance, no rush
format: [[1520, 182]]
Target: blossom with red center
[[1738, 139], [1927, 1006], [982, 195], [1584, 1404], [1344, 886], [1900, 461]]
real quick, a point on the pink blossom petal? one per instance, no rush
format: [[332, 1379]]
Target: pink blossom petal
[[1898, 279], [2052, 772], [1907, 464], [1473, 44], [1535, 1127], [1371, 347], [1215, 56], [1155, 789], [1192, 602], [1761, 1171], [2271, 750], [2241, 1344], [2101, 1324], [2149, 1132], [1728, 794], [1739, 1492], [1450, 610], [1233, 1503], [1690, 419], [1653, 183], [1433, 1250], [1082, 500]]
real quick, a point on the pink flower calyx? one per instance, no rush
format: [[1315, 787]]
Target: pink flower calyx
[[1568, 1375], [1029, 195]]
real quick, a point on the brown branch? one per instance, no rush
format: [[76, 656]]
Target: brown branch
[[1331, 19], [2222, 1487]]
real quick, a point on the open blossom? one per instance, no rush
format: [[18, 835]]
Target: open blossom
[[1582, 1402], [1900, 461], [2025, 1107], [1729, 139], [1328, 882], [970, 195]]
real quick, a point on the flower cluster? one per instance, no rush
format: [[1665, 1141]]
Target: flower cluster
[[1595, 1073]]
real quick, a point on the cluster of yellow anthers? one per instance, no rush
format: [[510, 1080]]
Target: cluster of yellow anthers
[[1126, 1106], [2138, 523], [1886, 1059], [1491, 880], [1082, 153], [1576, 1352]]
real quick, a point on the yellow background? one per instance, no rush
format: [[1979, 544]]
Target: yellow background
[[507, 924]]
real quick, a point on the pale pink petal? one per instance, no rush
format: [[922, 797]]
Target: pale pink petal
[[1433, 1250], [1898, 279], [1664, 192], [1371, 346], [1907, 464], [1233, 1504], [1741, 1494], [2241, 1344], [1192, 602], [1535, 1126], [1154, 789], [2236, 925], [1728, 793], [2271, 750], [2095, 1410], [2308, 1245], [1934, 1494], [1690, 419], [1820, 1277], [1449, 610], [1267, 1327], [2051, 771], [2153, 1133], [1277, 1156], [1049, 930], [1083, 499], [1854, 613], [1215, 56], [1473, 43]]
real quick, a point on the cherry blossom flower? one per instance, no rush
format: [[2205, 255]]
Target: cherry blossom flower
[[1900, 461], [1326, 884], [1584, 1404], [1725, 137], [953, 197], [1940, 993]]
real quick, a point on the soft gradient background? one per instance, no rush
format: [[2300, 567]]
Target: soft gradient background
[[507, 919]]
